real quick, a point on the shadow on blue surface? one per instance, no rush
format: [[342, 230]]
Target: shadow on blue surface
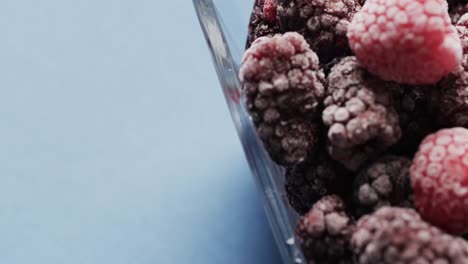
[[115, 142]]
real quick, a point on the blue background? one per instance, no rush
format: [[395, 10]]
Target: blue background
[[115, 142]]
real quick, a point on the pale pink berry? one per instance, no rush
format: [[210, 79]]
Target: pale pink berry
[[439, 177], [407, 41]]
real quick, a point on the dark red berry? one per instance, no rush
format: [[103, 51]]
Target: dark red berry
[[263, 21], [417, 108], [323, 23], [308, 182], [384, 182], [454, 97], [283, 87], [325, 231], [359, 115]]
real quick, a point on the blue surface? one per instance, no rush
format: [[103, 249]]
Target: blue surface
[[115, 142]]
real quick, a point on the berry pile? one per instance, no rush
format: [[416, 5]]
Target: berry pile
[[365, 104]]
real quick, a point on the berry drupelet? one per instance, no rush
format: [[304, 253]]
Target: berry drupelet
[[359, 115], [325, 232], [306, 183], [398, 235], [323, 23], [283, 87], [263, 21], [384, 182]]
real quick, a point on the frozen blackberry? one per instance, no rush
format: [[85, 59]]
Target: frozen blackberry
[[359, 115], [263, 21], [308, 182], [289, 142], [325, 232], [462, 29], [283, 87], [416, 107], [384, 182], [398, 235], [454, 97], [323, 23], [457, 11]]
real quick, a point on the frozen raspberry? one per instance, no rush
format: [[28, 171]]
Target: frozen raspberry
[[384, 182], [458, 10], [407, 41], [263, 21], [416, 107], [283, 87], [323, 23], [325, 232], [454, 97], [397, 235], [308, 182], [359, 115], [439, 176]]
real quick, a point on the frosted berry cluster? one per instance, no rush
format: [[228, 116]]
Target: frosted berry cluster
[[325, 232], [284, 87], [310, 181], [462, 29], [396, 235], [324, 24], [365, 105], [383, 183], [359, 114]]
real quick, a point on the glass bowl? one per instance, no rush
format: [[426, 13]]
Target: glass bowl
[[224, 24]]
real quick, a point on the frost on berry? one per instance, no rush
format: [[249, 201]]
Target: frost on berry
[[323, 23], [358, 114], [283, 88], [407, 41], [462, 29], [397, 235], [417, 107], [454, 97], [263, 20], [325, 231], [306, 183], [383, 182], [439, 177]]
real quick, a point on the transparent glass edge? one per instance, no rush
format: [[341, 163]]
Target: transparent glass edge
[[262, 167]]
